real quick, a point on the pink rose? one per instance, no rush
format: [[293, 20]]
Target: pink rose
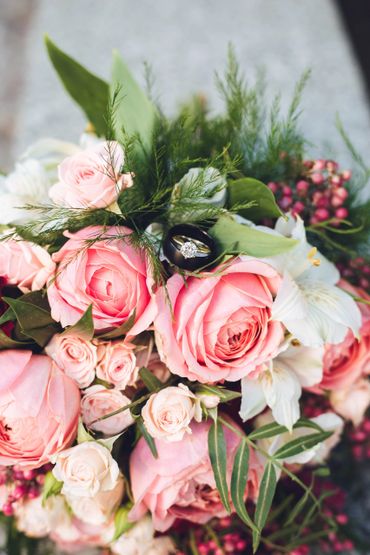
[[98, 401], [180, 482], [75, 356], [91, 178], [117, 363], [39, 407], [346, 362], [218, 327], [353, 401], [147, 358], [110, 274], [25, 264]]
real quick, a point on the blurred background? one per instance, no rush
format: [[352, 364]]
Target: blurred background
[[185, 42]]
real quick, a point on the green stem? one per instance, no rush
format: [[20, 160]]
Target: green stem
[[126, 407]]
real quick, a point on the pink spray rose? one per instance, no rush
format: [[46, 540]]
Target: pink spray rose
[[353, 401], [117, 363], [99, 401], [25, 264], [180, 482], [218, 327], [346, 362], [39, 408], [91, 178], [75, 356], [110, 274]]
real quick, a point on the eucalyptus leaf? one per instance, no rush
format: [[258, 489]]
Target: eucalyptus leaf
[[151, 382], [89, 91], [234, 238], [135, 114], [217, 454], [248, 189], [84, 328], [121, 521], [264, 501], [301, 444], [238, 486]]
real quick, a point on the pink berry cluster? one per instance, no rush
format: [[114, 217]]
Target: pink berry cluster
[[229, 540], [319, 195], [356, 271], [21, 485], [360, 440]]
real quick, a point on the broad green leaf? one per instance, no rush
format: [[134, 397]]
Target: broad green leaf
[[9, 343], [35, 322], [52, 486], [121, 522], [135, 114], [269, 430], [121, 330], [248, 189], [234, 238], [239, 480], [217, 454], [109, 442], [148, 438], [151, 382], [89, 91], [8, 316], [84, 328], [301, 444], [225, 395], [82, 434], [264, 501]]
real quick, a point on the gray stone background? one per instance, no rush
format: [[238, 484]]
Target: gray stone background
[[184, 42]]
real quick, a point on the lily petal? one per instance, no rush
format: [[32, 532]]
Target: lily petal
[[253, 398]]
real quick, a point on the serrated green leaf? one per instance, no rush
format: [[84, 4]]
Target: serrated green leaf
[[248, 189], [51, 486], [84, 328], [268, 430], [301, 444], [148, 438], [234, 238], [238, 486], [151, 382], [121, 330], [225, 395], [35, 322], [264, 502], [217, 455], [121, 522], [135, 113], [89, 91]]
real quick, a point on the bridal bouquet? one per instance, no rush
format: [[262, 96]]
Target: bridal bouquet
[[184, 330]]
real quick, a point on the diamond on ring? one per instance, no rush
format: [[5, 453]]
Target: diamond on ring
[[189, 249]]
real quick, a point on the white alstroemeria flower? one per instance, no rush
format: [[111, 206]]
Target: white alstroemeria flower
[[328, 421], [308, 302], [279, 383]]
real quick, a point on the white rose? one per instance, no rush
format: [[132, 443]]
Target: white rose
[[99, 509], [168, 413], [140, 541], [86, 469], [75, 356], [99, 401], [32, 518]]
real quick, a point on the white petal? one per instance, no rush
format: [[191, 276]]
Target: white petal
[[305, 362], [282, 392], [289, 302], [253, 399]]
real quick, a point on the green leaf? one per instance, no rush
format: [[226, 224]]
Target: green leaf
[[121, 330], [264, 501], [269, 430], [121, 522], [35, 322], [148, 438], [151, 382], [52, 486], [248, 189], [135, 113], [217, 454], [9, 343], [225, 395], [84, 328], [8, 316], [89, 91], [239, 479], [301, 444], [298, 508], [82, 434], [234, 238]]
